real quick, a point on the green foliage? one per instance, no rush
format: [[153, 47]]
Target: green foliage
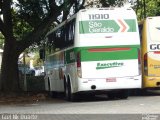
[[113, 3], [33, 11], [147, 8], [20, 27], [27, 60], [1, 41], [152, 7], [37, 62]]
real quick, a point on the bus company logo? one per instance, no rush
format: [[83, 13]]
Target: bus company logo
[[98, 27], [109, 65], [154, 46], [154, 66], [108, 26]]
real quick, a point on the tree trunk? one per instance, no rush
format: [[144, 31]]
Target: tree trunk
[[9, 75]]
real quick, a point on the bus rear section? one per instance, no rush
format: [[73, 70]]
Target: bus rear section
[[105, 56], [109, 50], [152, 69], [151, 52], [109, 69]]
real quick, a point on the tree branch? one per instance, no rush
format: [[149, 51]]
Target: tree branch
[[36, 35], [82, 5], [41, 30], [67, 5], [46, 4]]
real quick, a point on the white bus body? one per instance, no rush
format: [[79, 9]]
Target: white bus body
[[104, 54]]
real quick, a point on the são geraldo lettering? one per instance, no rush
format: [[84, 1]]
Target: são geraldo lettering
[[97, 27]]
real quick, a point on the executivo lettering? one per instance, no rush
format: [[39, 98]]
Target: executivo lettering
[[109, 65]]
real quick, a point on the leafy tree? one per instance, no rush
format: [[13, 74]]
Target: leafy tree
[[113, 3], [25, 23], [105, 3], [146, 8], [22, 25]]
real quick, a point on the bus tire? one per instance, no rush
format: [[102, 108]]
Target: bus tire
[[69, 96], [67, 90], [52, 94], [111, 95], [123, 94]]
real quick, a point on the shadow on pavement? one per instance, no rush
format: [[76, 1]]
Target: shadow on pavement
[[144, 92]]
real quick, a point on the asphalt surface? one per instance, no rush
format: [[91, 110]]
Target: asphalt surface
[[146, 107]]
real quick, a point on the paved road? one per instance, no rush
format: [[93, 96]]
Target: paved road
[[135, 107]]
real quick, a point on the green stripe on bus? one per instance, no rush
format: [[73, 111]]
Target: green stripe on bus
[[112, 55], [70, 55]]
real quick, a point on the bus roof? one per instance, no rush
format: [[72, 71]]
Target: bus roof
[[113, 13], [91, 10], [150, 17]]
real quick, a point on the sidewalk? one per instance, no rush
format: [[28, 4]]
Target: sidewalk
[[22, 98]]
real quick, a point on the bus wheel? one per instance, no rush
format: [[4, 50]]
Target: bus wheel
[[68, 95], [67, 90], [111, 95], [123, 94], [52, 94]]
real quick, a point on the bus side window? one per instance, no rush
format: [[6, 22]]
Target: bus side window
[[62, 37], [72, 31], [59, 38], [69, 33]]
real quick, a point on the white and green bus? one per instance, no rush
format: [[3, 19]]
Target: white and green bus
[[95, 51]]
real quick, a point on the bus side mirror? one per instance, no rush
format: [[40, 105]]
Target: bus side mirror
[[42, 54]]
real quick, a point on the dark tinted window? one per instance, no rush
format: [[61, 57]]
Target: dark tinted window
[[63, 36]]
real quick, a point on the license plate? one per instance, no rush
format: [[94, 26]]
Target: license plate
[[111, 80]]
